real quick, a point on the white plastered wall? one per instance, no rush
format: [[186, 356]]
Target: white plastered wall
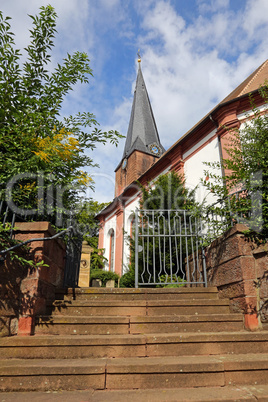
[[245, 115], [194, 166], [109, 224], [129, 213]]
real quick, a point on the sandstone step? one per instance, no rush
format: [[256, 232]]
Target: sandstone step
[[127, 294], [186, 323], [73, 347], [97, 308], [187, 344], [208, 394], [90, 346], [123, 308], [73, 325], [101, 325], [134, 373], [47, 375]]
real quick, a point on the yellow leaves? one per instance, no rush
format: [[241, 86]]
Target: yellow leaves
[[60, 144], [42, 155], [84, 179], [27, 188]]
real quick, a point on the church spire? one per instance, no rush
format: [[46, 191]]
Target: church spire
[[142, 146], [142, 132]]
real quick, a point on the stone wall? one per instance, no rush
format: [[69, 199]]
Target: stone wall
[[12, 275], [238, 267], [31, 288]]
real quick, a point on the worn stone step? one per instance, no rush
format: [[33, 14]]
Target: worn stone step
[[134, 373], [73, 347], [111, 325], [123, 308], [53, 374], [90, 346], [80, 325], [190, 371], [208, 394], [127, 294], [98, 308], [191, 306], [186, 323], [186, 344]]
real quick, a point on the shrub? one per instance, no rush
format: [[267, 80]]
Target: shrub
[[104, 276], [166, 282], [128, 279]]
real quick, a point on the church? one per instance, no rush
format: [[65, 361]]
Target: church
[[144, 158]]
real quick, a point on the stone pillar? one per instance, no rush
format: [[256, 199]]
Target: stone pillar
[[84, 273], [40, 284], [231, 266]]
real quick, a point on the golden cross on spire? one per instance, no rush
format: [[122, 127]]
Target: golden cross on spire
[[139, 56]]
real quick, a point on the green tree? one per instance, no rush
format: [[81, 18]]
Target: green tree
[[89, 225], [168, 192], [33, 136], [243, 191]]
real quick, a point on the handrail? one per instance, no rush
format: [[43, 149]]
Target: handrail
[[38, 239]]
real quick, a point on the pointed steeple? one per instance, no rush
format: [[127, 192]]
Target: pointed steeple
[[142, 146], [142, 132]]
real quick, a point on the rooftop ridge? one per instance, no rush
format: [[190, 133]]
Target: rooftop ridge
[[259, 70]]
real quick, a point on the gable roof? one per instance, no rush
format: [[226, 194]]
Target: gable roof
[[251, 83]]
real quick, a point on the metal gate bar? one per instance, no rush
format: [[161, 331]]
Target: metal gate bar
[[168, 248]]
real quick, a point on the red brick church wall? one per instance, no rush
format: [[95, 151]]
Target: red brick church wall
[[137, 164]]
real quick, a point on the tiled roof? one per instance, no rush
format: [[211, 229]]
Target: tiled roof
[[253, 82], [250, 84], [142, 130]]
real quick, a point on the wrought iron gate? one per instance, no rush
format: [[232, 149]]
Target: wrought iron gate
[[168, 248]]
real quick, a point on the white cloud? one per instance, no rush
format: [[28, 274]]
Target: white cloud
[[255, 19], [190, 67], [188, 64], [206, 6]]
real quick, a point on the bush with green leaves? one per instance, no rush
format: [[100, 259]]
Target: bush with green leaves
[[243, 191], [167, 282], [89, 225], [127, 280], [104, 276]]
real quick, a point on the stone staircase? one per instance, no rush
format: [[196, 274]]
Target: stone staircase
[[138, 344]]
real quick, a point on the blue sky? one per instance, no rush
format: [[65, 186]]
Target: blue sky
[[194, 52]]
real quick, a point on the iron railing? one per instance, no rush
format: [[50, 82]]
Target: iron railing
[[168, 249], [66, 229]]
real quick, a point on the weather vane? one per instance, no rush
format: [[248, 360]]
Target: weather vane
[[139, 56]]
